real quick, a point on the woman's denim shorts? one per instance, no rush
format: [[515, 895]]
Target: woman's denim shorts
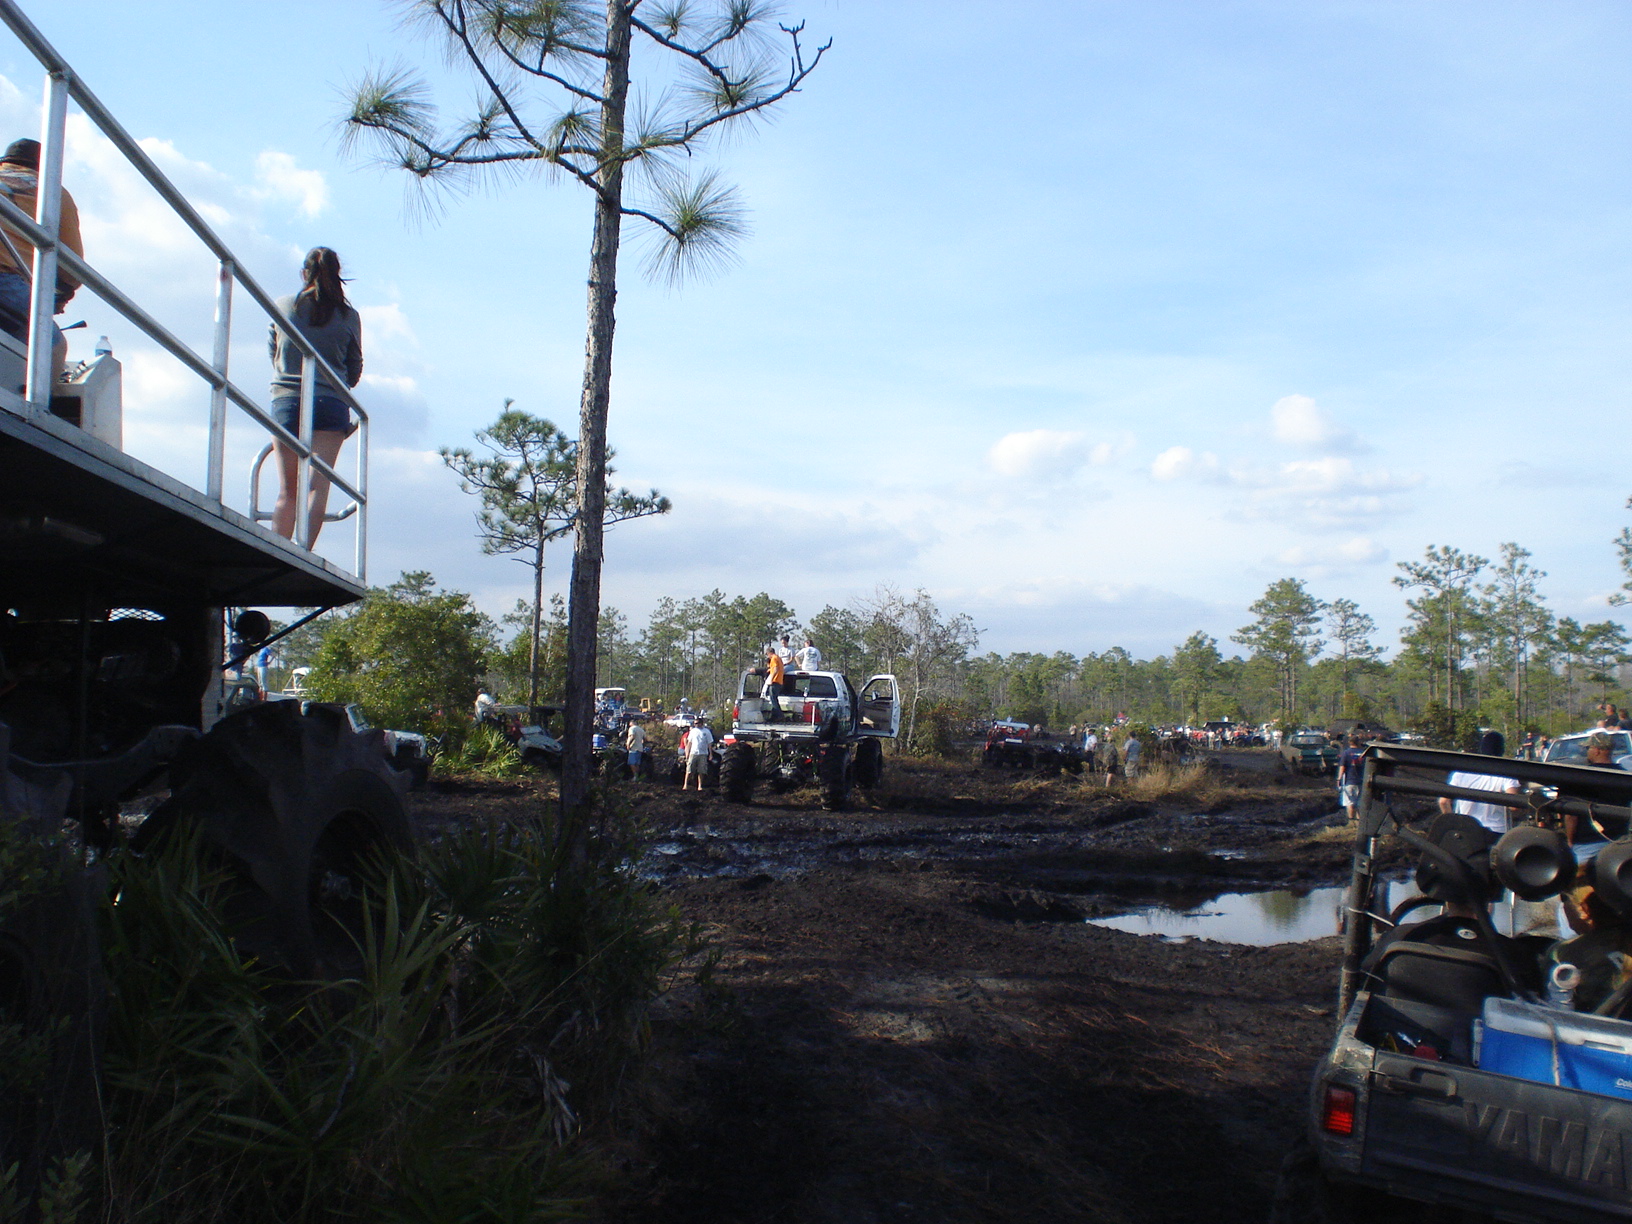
[[328, 412]]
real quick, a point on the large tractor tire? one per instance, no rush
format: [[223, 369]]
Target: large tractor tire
[[869, 764], [738, 769], [300, 805], [51, 987], [835, 771]]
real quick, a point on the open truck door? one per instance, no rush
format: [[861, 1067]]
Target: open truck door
[[881, 707]]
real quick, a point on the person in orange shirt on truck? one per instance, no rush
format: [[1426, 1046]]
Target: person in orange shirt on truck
[[776, 676]]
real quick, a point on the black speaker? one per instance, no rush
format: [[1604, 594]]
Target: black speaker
[[1612, 875], [1534, 863]]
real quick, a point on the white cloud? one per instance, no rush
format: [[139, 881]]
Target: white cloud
[[279, 178], [1296, 420], [1182, 463], [1039, 454], [1357, 550]]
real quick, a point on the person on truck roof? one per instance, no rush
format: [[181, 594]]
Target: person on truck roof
[[321, 313], [809, 658], [19, 179]]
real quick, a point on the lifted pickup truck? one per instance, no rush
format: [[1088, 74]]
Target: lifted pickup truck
[[821, 727], [1462, 1078]]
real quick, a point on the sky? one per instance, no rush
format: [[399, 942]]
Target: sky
[[1092, 318]]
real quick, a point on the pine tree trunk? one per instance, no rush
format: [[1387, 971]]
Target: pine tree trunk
[[538, 617], [584, 602]]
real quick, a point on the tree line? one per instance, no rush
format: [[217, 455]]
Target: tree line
[[1479, 645]]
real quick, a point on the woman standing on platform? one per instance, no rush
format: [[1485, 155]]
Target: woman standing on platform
[[329, 324]]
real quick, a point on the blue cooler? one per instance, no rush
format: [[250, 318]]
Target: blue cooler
[[1552, 1046]]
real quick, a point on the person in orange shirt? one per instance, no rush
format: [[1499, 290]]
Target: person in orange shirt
[[19, 179], [776, 676]]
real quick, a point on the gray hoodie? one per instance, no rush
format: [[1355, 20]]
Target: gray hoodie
[[339, 341]]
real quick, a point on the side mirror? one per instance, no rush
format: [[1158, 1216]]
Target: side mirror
[[1533, 863], [251, 627], [1612, 875]]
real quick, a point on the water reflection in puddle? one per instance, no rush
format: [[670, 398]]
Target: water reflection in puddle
[[1260, 918]]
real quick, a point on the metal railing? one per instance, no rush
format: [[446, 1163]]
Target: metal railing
[[41, 231]]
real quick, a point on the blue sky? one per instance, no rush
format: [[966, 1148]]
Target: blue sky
[[1092, 319]]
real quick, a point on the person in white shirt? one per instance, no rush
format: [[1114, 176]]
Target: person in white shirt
[[809, 658], [1493, 816], [784, 651], [635, 742], [698, 741]]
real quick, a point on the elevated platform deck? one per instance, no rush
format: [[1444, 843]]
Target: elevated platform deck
[[80, 518]]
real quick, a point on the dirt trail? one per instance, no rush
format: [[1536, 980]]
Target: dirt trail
[[910, 1020]]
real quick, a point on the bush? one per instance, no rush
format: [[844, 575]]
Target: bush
[[483, 751], [501, 1002], [1190, 784]]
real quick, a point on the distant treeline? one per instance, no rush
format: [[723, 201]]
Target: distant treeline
[[1472, 651]]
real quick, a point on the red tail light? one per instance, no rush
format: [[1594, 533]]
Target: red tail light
[[736, 711], [1337, 1113]]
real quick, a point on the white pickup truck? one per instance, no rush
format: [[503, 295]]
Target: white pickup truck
[[819, 727]]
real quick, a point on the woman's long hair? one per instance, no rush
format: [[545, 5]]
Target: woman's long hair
[[324, 291]]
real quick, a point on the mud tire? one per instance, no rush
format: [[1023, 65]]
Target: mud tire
[[835, 770], [738, 769], [540, 760], [869, 769], [301, 806], [1305, 1195]]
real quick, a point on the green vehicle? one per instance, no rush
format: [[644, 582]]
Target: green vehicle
[[1308, 752]]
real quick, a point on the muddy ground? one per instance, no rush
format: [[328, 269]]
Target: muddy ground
[[911, 1019]]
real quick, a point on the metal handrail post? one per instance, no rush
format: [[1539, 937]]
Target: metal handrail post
[[308, 396], [361, 501], [48, 214], [215, 478]]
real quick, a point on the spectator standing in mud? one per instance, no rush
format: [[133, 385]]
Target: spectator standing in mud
[[1107, 757], [698, 742], [1349, 770], [1493, 816], [1132, 751], [1090, 741], [635, 744], [809, 658]]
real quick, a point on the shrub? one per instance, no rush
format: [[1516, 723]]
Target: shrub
[[500, 1002]]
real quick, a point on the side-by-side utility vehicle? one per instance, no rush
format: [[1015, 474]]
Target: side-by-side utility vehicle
[[1482, 1066]]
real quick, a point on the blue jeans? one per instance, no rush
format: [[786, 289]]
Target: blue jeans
[[329, 412], [16, 298]]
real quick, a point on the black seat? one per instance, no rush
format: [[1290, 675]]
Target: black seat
[[1441, 961]]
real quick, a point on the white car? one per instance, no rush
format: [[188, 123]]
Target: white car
[[1572, 749]]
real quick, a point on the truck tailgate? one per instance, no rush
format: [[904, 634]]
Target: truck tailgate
[[1441, 1131]]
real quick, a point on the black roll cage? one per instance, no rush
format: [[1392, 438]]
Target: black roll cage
[[1595, 792]]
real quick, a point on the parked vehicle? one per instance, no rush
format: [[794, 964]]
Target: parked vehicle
[[535, 731], [1015, 745], [1461, 1074], [1308, 751], [1572, 749], [822, 729]]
